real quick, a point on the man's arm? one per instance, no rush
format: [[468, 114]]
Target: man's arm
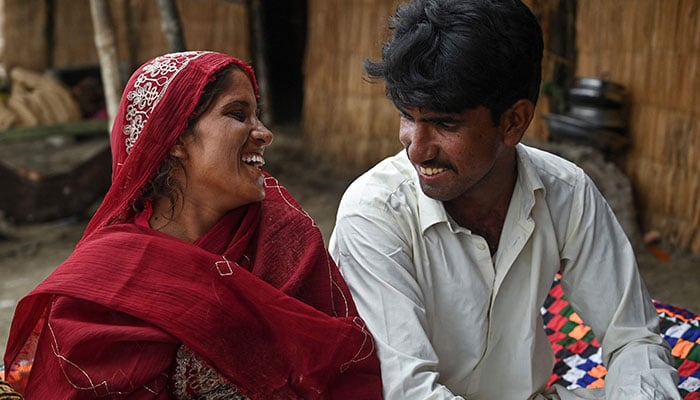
[[375, 258], [603, 285]]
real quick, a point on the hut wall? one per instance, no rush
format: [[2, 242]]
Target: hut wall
[[23, 43], [348, 122], [73, 37], [653, 48], [207, 24], [544, 11]]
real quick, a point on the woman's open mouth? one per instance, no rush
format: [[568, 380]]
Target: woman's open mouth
[[253, 159]]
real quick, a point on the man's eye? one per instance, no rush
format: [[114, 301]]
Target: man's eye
[[447, 126]]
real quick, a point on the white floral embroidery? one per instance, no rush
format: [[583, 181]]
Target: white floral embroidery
[[149, 87]]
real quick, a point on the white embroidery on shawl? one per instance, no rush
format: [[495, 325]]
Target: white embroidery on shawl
[[339, 290], [149, 87], [154, 391], [362, 353], [99, 390], [358, 357], [273, 183], [94, 388], [244, 262], [227, 270]]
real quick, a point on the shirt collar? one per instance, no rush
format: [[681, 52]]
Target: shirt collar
[[528, 178], [433, 212]]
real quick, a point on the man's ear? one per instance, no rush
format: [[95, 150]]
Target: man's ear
[[516, 120]]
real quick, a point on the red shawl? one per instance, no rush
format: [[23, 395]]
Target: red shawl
[[257, 297]]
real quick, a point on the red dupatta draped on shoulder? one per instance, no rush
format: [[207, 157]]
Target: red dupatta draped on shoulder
[[257, 297]]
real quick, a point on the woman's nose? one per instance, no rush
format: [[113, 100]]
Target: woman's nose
[[261, 134]]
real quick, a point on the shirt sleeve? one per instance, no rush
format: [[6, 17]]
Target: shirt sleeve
[[603, 285], [375, 257]]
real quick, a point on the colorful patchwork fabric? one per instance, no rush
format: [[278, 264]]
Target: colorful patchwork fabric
[[7, 392], [578, 361]]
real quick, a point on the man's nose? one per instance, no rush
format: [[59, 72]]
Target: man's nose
[[418, 140]]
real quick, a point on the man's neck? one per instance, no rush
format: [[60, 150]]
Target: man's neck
[[483, 211]]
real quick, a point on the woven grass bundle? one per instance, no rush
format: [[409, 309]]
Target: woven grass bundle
[[37, 99]]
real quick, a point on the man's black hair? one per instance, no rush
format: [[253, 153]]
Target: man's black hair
[[453, 55]]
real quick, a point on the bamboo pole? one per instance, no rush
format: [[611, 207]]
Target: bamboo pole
[[105, 44], [171, 26]]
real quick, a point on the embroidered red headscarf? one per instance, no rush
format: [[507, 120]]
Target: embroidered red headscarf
[[257, 297]]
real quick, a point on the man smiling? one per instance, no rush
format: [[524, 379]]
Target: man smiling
[[450, 247]]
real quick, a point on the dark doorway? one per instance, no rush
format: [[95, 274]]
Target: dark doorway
[[285, 35]]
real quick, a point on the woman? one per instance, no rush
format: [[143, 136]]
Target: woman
[[199, 277]]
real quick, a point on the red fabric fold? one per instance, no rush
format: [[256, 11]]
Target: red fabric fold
[[284, 328]]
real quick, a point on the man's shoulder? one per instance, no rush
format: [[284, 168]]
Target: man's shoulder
[[550, 168], [390, 178]]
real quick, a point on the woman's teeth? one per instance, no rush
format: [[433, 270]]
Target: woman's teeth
[[253, 159]]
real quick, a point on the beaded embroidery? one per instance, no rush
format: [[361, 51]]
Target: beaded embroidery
[[194, 379], [149, 87]]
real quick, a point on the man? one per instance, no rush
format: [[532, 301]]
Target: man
[[450, 247]]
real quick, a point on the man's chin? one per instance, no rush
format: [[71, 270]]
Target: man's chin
[[434, 192]]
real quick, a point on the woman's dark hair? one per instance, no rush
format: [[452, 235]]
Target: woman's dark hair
[[453, 55], [163, 184]]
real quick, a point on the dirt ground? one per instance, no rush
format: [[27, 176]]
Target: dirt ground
[[29, 252]]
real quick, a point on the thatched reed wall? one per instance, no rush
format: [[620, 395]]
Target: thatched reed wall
[[348, 122], [653, 48], [207, 24], [546, 11], [23, 43]]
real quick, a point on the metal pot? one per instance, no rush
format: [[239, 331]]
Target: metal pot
[[598, 116], [597, 91], [567, 128]]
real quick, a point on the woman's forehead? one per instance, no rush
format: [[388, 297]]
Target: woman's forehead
[[237, 87]]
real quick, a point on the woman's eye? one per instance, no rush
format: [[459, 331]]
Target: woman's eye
[[238, 115]]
